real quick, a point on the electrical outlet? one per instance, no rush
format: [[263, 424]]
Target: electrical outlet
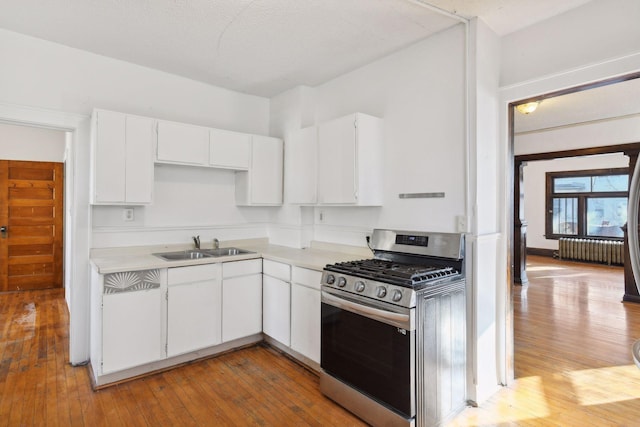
[[461, 221], [127, 214]]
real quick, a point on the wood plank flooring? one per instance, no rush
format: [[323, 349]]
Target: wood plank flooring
[[573, 364], [254, 386]]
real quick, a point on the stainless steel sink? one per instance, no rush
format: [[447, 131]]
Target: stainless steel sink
[[182, 255], [200, 253], [225, 252]]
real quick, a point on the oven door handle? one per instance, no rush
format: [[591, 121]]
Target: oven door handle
[[400, 320]]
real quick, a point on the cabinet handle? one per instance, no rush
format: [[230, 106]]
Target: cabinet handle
[[3, 231]]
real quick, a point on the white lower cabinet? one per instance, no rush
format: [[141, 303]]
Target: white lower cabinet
[[132, 331], [241, 299], [276, 304], [305, 312], [194, 305], [140, 320]]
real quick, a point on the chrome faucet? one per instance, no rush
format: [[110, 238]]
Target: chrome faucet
[[216, 243], [196, 241]]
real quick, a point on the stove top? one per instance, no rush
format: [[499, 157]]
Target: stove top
[[393, 272], [405, 263]]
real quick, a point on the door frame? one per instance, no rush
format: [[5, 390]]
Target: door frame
[[509, 96], [77, 214]]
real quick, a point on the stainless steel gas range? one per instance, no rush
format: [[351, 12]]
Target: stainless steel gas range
[[393, 346]]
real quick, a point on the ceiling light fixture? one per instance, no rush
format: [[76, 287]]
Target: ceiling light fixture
[[528, 107]]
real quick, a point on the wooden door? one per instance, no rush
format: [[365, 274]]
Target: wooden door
[[31, 210]]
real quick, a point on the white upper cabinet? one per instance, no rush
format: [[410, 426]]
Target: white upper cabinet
[[182, 143], [300, 161], [229, 149], [262, 183], [122, 158], [350, 151]]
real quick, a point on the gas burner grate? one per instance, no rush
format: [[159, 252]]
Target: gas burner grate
[[392, 272]]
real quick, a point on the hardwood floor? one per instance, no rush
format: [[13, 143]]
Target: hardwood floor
[[253, 386], [573, 338], [573, 362]]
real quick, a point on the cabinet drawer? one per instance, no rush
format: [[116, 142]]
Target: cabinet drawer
[[241, 268], [306, 277], [277, 269], [193, 273]]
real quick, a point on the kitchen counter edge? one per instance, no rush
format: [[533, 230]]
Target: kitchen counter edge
[[311, 258]]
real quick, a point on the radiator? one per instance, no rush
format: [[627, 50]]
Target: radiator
[[593, 250]]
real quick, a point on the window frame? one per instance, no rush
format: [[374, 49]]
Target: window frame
[[582, 200]]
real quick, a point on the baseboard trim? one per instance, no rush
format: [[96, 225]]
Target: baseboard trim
[[541, 252], [631, 298]]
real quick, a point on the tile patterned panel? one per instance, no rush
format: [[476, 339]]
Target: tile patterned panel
[[131, 281]]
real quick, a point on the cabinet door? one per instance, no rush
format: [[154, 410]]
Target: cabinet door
[[182, 143], [139, 159], [301, 155], [229, 149], [276, 309], [193, 316], [262, 185], [305, 321], [337, 161], [241, 307], [109, 172], [132, 329]]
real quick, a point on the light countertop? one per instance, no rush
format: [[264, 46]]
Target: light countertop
[[141, 258]]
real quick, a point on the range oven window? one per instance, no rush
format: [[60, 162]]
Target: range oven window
[[371, 356]]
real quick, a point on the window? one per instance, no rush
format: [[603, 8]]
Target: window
[[587, 203]]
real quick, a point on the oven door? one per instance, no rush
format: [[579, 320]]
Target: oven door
[[370, 346]]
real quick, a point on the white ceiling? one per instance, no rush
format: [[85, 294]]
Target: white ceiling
[[260, 47]]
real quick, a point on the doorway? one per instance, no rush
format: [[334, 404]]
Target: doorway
[[31, 221], [553, 137]]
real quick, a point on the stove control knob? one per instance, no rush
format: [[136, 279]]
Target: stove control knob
[[342, 282], [359, 286], [331, 279], [397, 295], [381, 292]]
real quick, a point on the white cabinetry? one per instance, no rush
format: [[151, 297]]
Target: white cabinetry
[[262, 183], [129, 330], [305, 312], [194, 305], [276, 304], [350, 151], [228, 149], [122, 158], [182, 143], [241, 299], [301, 159]]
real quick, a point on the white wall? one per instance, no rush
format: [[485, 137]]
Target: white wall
[[53, 76], [534, 190], [613, 131], [51, 80], [49, 75], [484, 274], [31, 143], [598, 31], [420, 93]]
